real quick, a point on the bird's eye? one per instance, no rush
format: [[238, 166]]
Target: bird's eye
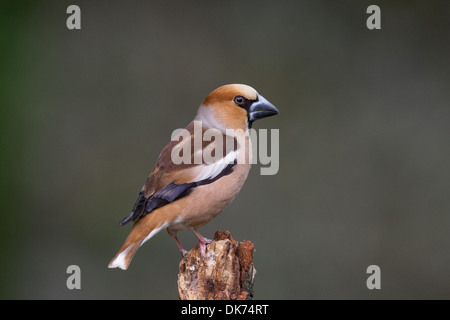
[[239, 100]]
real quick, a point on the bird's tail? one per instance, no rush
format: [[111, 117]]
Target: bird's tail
[[123, 258], [143, 230]]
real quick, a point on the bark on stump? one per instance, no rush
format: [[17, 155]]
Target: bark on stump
[[226, 273]]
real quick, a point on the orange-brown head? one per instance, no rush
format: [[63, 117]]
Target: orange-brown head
[[235, 106]]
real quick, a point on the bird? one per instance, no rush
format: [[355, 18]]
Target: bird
[[185, 195]]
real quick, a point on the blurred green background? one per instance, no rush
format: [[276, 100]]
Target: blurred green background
[[364, 142]]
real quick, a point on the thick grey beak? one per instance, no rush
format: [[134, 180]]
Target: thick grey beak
[[261, 108]]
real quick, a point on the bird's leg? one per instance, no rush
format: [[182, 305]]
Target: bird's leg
[[183, 252], [202, 242]]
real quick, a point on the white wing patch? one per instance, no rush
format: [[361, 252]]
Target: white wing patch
[[210, 171]]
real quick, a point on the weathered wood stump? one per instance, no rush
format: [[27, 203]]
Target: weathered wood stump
[[226, 273]]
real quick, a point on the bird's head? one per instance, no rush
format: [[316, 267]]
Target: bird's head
[[235, 106]]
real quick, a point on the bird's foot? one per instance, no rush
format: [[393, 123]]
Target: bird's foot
[[183, 252], [206, 240], [202, 242], [202, 249]]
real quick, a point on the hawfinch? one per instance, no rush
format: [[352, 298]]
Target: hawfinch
[[180, 195]]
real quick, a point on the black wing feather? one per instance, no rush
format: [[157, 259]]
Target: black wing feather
[[169, 194]]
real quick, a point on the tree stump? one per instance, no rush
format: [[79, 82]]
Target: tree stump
[[226, 273]]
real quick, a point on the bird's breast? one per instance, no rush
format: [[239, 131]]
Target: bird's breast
[[207, 201]]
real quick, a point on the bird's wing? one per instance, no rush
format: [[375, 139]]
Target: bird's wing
[[169, 182]]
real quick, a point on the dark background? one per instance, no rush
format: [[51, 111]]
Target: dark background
[[364, 142]]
